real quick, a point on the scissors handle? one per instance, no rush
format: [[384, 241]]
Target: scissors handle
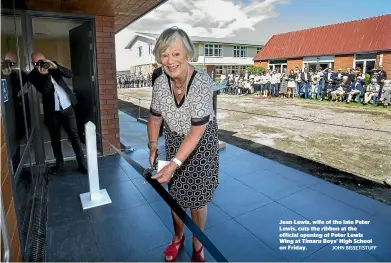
[[154, 166]]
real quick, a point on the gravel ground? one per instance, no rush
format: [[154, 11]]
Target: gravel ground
[[315, 137]]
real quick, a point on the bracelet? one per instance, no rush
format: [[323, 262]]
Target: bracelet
[[177, 161]]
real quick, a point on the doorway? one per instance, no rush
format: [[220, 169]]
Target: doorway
[[69, 40], [69, 43], [278, 66]]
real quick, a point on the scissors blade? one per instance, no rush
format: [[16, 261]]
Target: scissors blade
[[148, 172]]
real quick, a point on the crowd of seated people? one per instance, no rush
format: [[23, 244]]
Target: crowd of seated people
[[324, 84]]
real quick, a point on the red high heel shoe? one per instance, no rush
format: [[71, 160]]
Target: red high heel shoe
[[196, 257], [172, 251]]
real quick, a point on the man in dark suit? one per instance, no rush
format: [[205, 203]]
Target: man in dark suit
[[356, 89], [9, 68], [381, 77], [155, 74], [305, 82], [15, 77], [329, 79], [58, 106]]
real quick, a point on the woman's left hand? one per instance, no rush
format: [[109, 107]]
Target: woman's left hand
[[165, 174]]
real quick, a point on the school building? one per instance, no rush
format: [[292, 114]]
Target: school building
[[364, 43]]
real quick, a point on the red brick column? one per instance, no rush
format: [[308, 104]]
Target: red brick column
[[264, 64], [292, 63], [386, 62], [8, 199], [105, 52]]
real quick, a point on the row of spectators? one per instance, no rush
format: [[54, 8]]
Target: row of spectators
[[322, 84], [134, 80]]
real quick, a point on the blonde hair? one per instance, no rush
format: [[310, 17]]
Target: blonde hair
[[168, 38]]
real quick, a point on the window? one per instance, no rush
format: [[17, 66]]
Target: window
[[314, 63], [240, 52], [366, 62], [150, 49], [139, 51], [277, 65], [231, 69], [277, 61], [258, 49], [219, 70], [213, 50]]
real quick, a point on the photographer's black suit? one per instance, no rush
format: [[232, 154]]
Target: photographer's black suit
[[18, 102], [54, 119]]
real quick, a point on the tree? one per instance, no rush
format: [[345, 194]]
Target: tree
[[254, 70]]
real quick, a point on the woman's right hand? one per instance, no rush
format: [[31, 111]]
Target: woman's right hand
[[153, 154]]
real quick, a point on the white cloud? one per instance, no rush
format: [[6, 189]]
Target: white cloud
[[214, 18]]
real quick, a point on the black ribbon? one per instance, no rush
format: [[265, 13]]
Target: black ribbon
[[147, 173]]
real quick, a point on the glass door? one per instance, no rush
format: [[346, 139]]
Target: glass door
[[19, 127]]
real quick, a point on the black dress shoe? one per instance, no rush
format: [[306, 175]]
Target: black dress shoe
[[57, 167], [82, 169]]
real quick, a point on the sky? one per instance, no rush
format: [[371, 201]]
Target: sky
[[255, 20]]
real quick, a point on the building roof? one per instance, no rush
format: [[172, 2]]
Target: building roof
[[370, 34], [196, 39], [121, 13]]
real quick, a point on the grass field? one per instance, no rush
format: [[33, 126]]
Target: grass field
[[348, 137]]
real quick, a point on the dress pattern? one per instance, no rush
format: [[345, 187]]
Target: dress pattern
[[194, 183]]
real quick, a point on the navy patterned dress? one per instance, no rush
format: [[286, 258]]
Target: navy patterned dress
[[194, 183]]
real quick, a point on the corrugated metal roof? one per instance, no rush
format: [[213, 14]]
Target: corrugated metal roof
[[370, 34], [213, 40]]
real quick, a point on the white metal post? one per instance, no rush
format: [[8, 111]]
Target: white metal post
[[96, 197]]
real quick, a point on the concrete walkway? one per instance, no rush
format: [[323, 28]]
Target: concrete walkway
[[244, 219]]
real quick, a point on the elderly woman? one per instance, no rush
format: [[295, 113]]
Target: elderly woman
[[183, 97]]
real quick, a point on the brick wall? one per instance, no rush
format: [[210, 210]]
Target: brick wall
[[344, 62], [264, 64], [292, 63], [105, 52], [386, 62], [8, 199]]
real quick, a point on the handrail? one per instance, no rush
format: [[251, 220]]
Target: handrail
[[4, 233]]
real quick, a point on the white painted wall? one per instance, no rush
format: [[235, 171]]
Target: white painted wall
[[227, 59], [228, 56], [146, 57], [224, 61]]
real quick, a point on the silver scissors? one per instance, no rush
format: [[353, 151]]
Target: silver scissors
[[149, 171]]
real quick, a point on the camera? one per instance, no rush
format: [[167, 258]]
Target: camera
[[7, 64], [42, 64]]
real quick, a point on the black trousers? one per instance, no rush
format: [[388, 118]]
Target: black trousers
[[67, 119]]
